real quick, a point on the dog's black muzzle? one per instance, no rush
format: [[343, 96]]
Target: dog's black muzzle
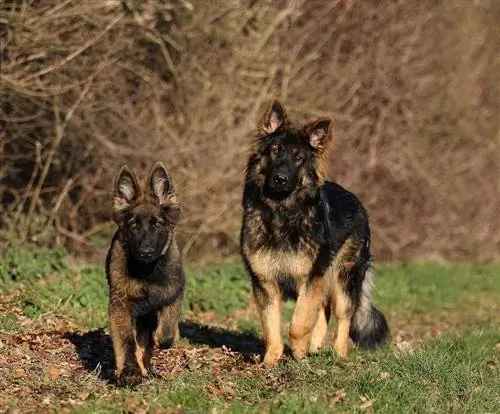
[[281, 181]]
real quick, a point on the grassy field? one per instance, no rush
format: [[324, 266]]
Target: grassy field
[[55, 352]]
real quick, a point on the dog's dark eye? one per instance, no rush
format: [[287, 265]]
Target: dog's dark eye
[[299, 156], [275, 149], [157, 223]]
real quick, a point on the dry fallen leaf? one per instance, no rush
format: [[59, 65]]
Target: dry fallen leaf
[[19, 373], [366, 403], [339, 396], [403, 347], [83, 395], [383, 376], [54, 373]]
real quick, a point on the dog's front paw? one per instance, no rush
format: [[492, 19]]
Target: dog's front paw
[[273, 355], [129, 377]]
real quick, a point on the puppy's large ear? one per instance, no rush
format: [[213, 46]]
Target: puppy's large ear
[[273, 119], [127, 191], [162, 189], [319, 133], [160, 184]]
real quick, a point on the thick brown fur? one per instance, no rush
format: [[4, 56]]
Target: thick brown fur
[[307, 239], [144, 272]]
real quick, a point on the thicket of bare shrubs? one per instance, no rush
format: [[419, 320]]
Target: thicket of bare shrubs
[[412, 86]]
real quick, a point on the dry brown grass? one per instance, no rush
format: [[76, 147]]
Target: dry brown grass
[[413, 88]]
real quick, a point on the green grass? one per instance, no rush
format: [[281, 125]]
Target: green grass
[[222, 290], [401, 290], [9, 322], [448, 314], [20, 264]]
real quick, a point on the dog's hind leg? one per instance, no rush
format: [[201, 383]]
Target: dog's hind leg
[[319, 332], [343, 313], [346, 263]]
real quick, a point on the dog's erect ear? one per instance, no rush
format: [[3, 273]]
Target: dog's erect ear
[[273, 119], [127, 190], [161, 187], [319, 133], [160, 184]]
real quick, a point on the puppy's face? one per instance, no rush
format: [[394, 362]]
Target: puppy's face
[[147, 218]]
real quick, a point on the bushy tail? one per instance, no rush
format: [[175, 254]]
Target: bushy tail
[[369, 327]]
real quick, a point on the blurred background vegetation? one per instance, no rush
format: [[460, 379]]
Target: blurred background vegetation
[[413, 87]]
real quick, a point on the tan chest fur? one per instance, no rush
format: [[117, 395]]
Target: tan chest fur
[[270, 264]]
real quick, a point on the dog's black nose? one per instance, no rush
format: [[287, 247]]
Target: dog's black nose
[[280, 179], [146, 253]]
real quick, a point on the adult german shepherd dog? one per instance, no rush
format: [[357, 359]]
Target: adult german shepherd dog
[[144, 272], [307, 239]]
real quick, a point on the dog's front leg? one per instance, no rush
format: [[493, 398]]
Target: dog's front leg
[[305, 316], [167, 333], [268, 301], [128, 371]]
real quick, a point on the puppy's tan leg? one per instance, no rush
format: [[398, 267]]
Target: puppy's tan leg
[[167, 332], [143, 354], [144, 329], [128, 371]]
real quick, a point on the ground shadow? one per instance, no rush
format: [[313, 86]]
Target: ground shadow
[[246, 344], [95, 350]]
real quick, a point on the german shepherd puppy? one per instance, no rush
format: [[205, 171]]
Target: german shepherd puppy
[[307, 239], [144, 272]]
